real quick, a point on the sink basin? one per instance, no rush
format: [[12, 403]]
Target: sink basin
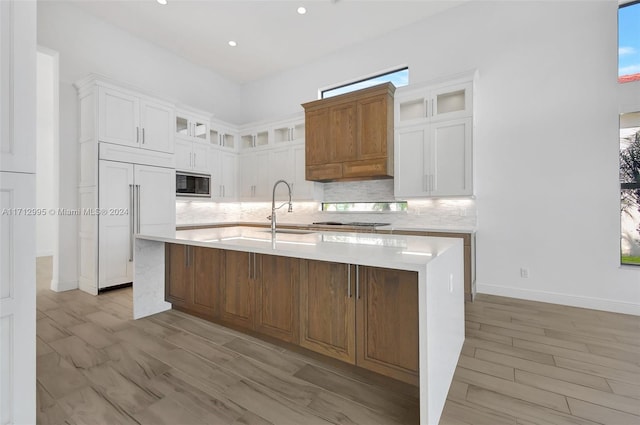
[[291, 231]]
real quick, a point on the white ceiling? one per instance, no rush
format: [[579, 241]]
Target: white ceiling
[[271, 36]]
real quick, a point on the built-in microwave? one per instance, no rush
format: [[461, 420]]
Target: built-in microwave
[[193, 185]]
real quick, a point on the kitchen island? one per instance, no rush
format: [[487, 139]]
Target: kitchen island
[[436, 262]]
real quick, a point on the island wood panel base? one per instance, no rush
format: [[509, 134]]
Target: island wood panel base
[[365, 316]]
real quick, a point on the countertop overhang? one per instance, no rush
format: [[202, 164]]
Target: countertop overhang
[[370, 249]]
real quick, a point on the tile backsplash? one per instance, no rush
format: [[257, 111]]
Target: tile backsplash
[[450, 213]]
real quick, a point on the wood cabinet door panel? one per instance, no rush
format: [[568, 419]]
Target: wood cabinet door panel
[[177, 274], [323, 172], [343, 132], [206, 279], [373, 125], [387, 322], [277, 297], [317, 137], [327, 312], [237, 297], [366, 168]]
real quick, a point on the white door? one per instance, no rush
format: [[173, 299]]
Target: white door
[[115, 223], [411, 151], [450, 164], [157, 123], [156, 200], [17, 190], [263, 186], [17, 299], [17, 77], [119, 118]]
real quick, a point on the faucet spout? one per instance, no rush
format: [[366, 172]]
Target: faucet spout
[[273, 205]]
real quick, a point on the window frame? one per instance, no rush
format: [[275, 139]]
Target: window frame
[[321, 92]]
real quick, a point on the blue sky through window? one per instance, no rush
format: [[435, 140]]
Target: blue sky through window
[[398, 78], [629, 39]]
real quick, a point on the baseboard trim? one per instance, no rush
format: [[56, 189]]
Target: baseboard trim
[[558, 298], [58, 286]]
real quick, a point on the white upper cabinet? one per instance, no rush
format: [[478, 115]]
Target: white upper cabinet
[[224, 174], [254, 176], [433, 103], [192, 156], [433, 139], [289, 131], [131, 120], [254, 138], [222, 136], [434, 159], [191, 126]]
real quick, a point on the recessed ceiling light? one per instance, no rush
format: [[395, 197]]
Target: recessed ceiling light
[[232, 43], [162, 2], [302, 10]]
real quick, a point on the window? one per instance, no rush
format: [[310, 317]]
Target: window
[[365, 206], [629, 42], [630, 188], [399, 78]]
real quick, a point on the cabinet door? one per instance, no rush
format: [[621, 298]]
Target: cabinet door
[[343, 132], [277, 291], [375, 125], [119, 118], [115, 231], [156, 121], [228, 173], [450, 162], [302, 188], [317, 137], [411, 146], [183, 155], [155, 207], [206, 280], [387, 322], [248, 164], [327, 309], [200, 157], [281, 167], [178, 274], [451, 102], [237, 289]]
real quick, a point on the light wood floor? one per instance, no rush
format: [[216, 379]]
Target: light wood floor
[[522, 363]]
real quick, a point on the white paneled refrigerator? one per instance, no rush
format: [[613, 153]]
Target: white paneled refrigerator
[[132, 198]]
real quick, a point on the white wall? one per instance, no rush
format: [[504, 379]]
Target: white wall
[[546, 140], [87, 44], [45, 224]]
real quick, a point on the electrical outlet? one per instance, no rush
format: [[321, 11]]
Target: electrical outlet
[[524, 273]]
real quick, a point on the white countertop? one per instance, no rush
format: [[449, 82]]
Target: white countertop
[[372, 249]]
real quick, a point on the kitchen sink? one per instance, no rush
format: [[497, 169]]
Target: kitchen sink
[[291, 231]]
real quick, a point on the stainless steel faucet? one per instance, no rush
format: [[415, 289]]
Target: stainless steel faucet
[[272, 217]]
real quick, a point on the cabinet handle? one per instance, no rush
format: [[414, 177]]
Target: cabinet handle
[[194, 160], [249, 268], [431, 183], [138, 211], [349, 280], [143, 135], [131, 224], [357, 281]]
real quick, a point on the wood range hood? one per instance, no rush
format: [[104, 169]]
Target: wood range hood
[[350, 136]]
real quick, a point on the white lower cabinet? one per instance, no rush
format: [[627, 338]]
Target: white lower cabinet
[[434, 159], [224, 172], [192, 156], [132, 199]]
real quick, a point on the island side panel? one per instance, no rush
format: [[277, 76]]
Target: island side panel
[[443, 335], [148, 279]]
